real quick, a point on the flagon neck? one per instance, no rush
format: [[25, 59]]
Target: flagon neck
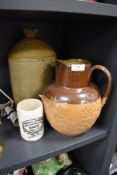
[[30, 33]]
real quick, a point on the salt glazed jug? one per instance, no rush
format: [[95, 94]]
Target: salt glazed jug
[[73, 103], [31, 65]]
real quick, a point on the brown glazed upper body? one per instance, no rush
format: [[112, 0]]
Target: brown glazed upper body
[[73, 103], [72, 87]]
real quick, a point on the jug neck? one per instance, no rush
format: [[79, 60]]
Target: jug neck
[[73, 73]]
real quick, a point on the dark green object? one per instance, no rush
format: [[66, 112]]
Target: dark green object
[[72, 170]]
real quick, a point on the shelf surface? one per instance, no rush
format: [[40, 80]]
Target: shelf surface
[[70, 6], [19, 153]]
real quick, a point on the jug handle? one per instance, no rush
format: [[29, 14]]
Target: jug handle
[[109, 78]]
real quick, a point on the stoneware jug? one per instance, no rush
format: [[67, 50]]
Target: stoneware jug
[[73, 103], [31, 64]]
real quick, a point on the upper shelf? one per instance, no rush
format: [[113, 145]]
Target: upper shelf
[[70, 6], [19, 153]]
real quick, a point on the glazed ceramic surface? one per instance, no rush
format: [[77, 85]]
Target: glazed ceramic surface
[[31, 65], [73, 103], [51, 166]]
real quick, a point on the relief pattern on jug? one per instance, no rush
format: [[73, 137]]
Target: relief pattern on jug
[[72, 119]]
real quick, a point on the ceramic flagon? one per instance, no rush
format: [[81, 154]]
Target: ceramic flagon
[[31, 64], [73, 103]]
